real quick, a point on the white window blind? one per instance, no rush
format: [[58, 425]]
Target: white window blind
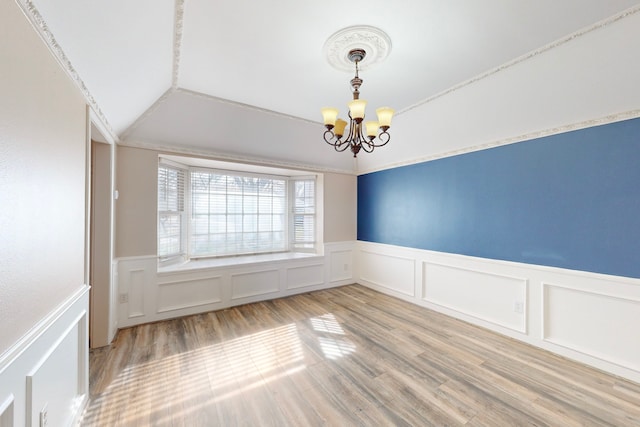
[[304, 213], [171, 186], [233, 213]]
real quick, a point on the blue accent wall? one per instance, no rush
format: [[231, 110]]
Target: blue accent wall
[[570, 200]]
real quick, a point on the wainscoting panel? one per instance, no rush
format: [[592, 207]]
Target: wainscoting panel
[[146, 295], [53, 383], [395, 273], [488, 296], [588, 317], [189, 293], [253, 284], [48, 368], [305, 276], [592, 323], [340, 265], [6, 412], [136, 293]]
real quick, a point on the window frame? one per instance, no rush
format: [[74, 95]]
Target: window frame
[[312, 244], [189, 200], [182, 253], [191, 165]]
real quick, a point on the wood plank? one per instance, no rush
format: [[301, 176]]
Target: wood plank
[[343, 356]]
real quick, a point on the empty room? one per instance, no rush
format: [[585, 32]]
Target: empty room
[[287, 213]]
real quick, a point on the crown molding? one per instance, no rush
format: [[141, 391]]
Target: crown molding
[[600, 24], [38, 23], [215, 155], [178, 25], [612, 118]]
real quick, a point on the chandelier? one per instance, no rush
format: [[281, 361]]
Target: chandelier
[[360, 135]]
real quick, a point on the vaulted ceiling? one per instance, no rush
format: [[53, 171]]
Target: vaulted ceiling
[[246, 79]]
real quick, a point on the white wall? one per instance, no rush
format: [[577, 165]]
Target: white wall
[[42, 217], [42, 180], [584, 316], [576, 82]]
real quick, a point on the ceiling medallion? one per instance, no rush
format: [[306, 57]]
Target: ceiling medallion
[[373, 40]]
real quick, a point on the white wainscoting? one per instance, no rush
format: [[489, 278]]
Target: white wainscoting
[[395, 272], [503, 297], [584, 316], [146, 295], [612, 318], [48, 369], [255, 284], [181, 294]]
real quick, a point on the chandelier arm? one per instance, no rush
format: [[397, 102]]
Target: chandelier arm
[[384, 138], [329, 141], [338, 144], [341, 146], [368, 145]]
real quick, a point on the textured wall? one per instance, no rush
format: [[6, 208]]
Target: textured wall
[[340, 197], [570, 200], [42, 179], [136, 182], [136, 206]]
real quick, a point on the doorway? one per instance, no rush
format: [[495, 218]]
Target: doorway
[[101, 301]]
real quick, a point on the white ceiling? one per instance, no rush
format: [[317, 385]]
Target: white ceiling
[[246, 79]]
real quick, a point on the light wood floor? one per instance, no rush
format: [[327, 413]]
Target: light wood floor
[[341, 357]]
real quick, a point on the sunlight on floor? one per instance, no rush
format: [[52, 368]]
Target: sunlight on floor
[[332, 346], [218, 371], [210, 381], [327, 323]]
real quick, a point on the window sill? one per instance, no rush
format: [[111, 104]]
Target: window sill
[[203, 264]]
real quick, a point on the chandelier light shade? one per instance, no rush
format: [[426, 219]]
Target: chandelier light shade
[[360, 135]]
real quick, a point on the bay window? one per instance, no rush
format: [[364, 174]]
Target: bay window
[[210, 212]]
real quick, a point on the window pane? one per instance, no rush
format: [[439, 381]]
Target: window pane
[[234, 203], [279, 188], [250, 186], [264, 222], [279, 205], [217, 203], [265, 205], [170, 210], [278, 222], [250, 204], [200, 224], [304, 214], [218, 224], [250, 223], [235, 213], [234, 223]]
